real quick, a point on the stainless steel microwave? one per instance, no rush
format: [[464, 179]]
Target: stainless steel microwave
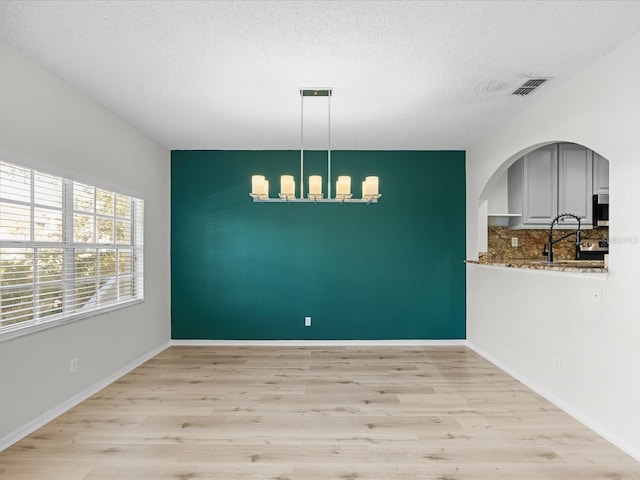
[[601, 210]]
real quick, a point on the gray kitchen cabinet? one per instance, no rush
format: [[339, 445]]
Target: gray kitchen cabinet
[[600, 174], [575, 182], [533, 187], [553, 179]]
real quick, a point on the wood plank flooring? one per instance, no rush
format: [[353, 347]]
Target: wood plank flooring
[[289, 413]]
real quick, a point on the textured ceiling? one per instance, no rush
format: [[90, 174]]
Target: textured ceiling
[[405, 75]]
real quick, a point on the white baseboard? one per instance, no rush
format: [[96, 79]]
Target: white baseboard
[[320, 343], [46, 417], [562, 405]]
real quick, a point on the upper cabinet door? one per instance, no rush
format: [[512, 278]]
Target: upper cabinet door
[[540, 186], [557, 178], [600, 174], [575, 182]]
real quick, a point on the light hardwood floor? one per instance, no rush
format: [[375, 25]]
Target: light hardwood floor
[[342, 413]]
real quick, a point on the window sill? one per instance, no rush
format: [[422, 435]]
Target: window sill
[[20, 331]]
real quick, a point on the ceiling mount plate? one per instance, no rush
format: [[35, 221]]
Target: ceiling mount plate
[[315, 92]]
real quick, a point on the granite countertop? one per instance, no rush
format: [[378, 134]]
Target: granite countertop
[[576, 266]]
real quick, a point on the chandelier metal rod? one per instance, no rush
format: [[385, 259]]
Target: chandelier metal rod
[[329, 146], [301, 145]]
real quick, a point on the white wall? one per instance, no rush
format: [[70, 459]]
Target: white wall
[[522, 319], [497, 195], [53, 127]]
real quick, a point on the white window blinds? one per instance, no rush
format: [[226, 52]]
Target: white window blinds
[[66, 248]]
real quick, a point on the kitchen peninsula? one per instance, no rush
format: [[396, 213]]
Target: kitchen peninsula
[[523, 249], [573, 266]]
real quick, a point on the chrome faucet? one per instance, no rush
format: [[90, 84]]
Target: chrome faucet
[[551, 242]]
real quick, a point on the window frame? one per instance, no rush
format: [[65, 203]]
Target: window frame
[[132, 252]]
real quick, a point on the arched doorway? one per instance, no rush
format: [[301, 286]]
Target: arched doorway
[[529, 190]]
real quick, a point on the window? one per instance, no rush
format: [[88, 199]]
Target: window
[[66, 248]]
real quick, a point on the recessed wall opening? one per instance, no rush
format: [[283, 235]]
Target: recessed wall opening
[[533, 189]]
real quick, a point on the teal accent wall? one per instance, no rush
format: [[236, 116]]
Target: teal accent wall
[[243, 270]]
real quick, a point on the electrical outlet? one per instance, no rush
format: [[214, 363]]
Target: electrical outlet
[[514, 241], [557, 363], [73, 367], [596, 295], [307, 321]]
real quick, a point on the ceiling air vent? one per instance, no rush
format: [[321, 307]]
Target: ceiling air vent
[[529, 86]]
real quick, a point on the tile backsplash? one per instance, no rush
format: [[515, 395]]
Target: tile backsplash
[[531, 243]]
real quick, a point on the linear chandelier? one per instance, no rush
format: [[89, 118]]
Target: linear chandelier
[[260, 185]]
